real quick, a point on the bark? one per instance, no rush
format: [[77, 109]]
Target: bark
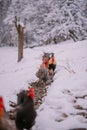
[[20, 43]]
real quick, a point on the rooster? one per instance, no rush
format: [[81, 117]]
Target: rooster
[[4, 120], [26, 114]]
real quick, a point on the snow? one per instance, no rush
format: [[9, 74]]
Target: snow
[[21, 24], [57, 111]]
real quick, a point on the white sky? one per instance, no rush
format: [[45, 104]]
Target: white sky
[[70, 80]]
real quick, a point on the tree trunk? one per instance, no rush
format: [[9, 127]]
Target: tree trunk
[[20, 43], [20, 31]]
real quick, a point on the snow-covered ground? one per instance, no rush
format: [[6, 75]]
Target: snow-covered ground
[[58, 111]]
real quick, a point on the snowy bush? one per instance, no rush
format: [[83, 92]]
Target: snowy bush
[[47, 22]]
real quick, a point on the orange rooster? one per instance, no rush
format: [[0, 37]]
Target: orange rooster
[[1, 108], [4, 120]]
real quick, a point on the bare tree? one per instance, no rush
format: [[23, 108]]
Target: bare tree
[[20, 31]]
